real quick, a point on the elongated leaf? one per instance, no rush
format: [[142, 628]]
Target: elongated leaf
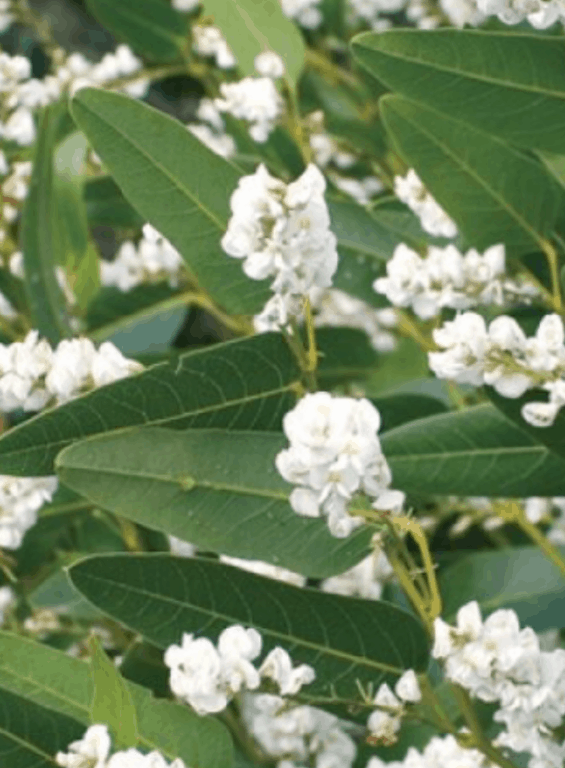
[[348, 641], [493, 192], [512, 85], [175, 183], [151, 27], [219, 490], [244, 384], [522, 579], [112, 702], [31, 735], [477, 452], [253, 26], [39, 235], [62, 684]]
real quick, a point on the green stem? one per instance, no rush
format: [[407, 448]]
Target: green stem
[[553, 263]]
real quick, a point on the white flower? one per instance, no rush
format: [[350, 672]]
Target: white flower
[[278, 667], [334, 453], [209, 41], [384, 724], [407, 688], [20, 500], [185, 6], [282, 231], [306, 12], [196, 669], [237, 648], [465, 341], [254, 99], [433, 218], [269, 64], [90, 752]]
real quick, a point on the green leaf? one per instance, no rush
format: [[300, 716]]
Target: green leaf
[[40, 236], [508, 84], [175, 183], [31, 735], [151, 27], [493, 192], [345, 354], [219, 490], [112, 702], [253, 26], [106, 206], [348, 641], [49, 678], [242, 384], [522, 579], [476, 452]]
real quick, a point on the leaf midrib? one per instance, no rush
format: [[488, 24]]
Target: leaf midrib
[[360, 661], [560, 95], [177, 481]]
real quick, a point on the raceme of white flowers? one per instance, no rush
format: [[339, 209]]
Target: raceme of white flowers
[[212, 131], [21, 93], [448, 278], [441, 752], [32, 374], [334, 308], [334, 454], [208, 41], [434, 220], [20, 500], [254, 99], [305, 12], [384, 723], [504, 358], [154, 258], [93, 751], [536, 509], [207, 677], [297, 735], [541, 14], [496, 661], [282, 231]]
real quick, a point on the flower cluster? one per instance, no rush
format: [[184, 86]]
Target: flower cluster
[[433, 218], [93, 751], [208, 677], [540, 13], [447, 278], [32, 374], [254, 99], [282, 231], [441, 751], [503, 357], [384, 723], [297, 736], [20, 500], [154, 258], [496, 661], [305, 12], [208, 41], [21, 93], [366, 579], [212, 131], [336, 309], [334, 454]]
